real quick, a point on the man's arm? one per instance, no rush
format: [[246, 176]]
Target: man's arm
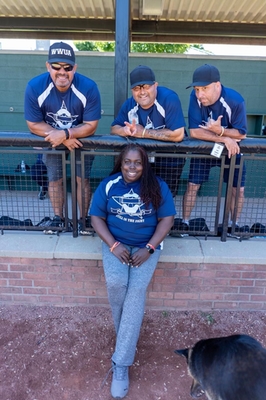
[[204, 134], [213, 129], [123, 131], [138, 131], [58, 136], [230, 137], [165, 134], [87, 128], [39, 128]]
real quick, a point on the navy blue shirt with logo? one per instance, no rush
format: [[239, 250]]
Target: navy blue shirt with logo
[[166, 112], [130, 221], [62, 110], [230, 105]]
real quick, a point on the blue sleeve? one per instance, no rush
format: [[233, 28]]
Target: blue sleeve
[[32, 111], [92, 111], [194, 112], [99, 202], [174, 117], [122, 114], [239, 118], [167, 207]]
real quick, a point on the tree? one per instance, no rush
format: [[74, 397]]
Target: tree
[[139, 47]]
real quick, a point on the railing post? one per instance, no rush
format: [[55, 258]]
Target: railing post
[[228, 198], [74, 193]]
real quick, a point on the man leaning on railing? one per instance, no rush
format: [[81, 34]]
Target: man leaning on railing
[[216, 114], [153, 112], [63, 106]]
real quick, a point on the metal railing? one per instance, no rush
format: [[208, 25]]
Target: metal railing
[[22, 209]]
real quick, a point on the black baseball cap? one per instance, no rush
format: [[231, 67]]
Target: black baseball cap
[[61, 52], [142, 75], [205, 75]]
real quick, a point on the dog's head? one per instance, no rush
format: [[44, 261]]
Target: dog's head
[[196, 389], [220, 366]]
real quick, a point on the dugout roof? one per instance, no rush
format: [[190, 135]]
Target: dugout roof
[[180, 21]]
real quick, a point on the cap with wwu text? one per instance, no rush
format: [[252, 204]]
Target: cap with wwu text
[[61, 52]]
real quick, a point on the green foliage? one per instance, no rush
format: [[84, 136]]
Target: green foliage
[[86, 46], [95, 46], [165, 314], [138, 47], [158, 48], [208, 317]]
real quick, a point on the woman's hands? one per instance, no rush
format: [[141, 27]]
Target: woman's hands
[[135, 260], [139, 257]]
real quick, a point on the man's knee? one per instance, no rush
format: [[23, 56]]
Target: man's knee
[[79, 181], [56, 183], [241, 191], [193, 187]]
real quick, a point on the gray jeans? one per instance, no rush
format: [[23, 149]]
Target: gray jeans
[[126, 289]]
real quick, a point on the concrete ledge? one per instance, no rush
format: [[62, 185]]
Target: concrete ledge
[[177, 250]]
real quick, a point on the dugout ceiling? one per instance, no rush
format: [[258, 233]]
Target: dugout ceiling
[[179, 21]]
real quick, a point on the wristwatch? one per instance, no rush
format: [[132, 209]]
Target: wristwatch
[[150, 248], [67, 133]]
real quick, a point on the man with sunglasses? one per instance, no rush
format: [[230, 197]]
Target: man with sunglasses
[[153, 112], [63, 106]]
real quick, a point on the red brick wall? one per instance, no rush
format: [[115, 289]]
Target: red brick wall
[[174, 286]]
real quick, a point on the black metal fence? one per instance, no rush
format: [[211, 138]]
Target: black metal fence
[[25, 202]]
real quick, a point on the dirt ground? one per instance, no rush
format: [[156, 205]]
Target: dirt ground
[[52, 353]]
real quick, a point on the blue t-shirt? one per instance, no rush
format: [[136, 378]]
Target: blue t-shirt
[[130, 221], [230, 104], [166, 112], [62, 110]]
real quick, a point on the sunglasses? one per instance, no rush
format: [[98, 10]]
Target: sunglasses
[[145, 86], [66, 67]]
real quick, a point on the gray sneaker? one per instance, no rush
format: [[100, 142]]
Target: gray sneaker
[[120, 382]]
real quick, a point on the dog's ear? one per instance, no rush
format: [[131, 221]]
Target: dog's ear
[[183, 352]]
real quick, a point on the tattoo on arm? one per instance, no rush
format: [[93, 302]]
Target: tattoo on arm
[[159, 133]]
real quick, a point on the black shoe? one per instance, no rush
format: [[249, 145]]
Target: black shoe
[[178, 227], [44, 222], [183, 226], [87, 230], [56, 222], [42, 193]]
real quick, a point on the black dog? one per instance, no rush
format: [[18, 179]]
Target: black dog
[[227, 368]]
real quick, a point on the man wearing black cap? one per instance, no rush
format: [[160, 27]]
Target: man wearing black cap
[[63, 106], [153, 112], [215, 114]]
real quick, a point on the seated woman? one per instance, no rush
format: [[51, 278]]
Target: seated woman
[[132, 212]]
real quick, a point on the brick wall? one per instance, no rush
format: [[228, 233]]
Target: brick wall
[[179, 286]]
